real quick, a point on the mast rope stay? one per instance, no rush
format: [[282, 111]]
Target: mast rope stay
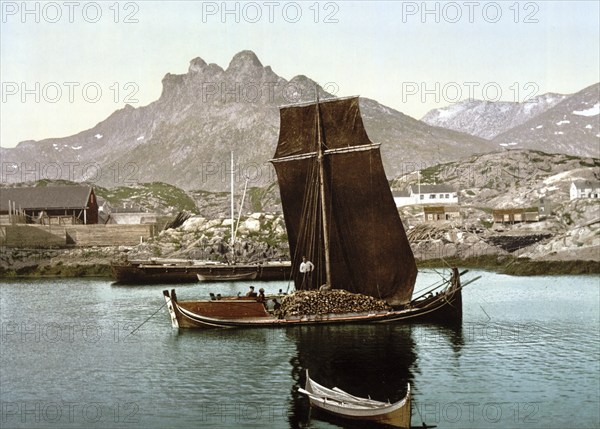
[[324, 229], [150, 317], [307, 230]]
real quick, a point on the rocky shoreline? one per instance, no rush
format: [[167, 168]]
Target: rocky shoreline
[[509, 266], [541, 248], [95, 262]]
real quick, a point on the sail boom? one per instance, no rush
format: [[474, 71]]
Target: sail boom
[[348, 149], [294, 157]]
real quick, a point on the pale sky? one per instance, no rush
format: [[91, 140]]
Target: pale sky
[[65, 66]]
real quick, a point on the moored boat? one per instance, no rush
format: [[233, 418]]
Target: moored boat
[[187, 271], [244, 312], [345, 405]]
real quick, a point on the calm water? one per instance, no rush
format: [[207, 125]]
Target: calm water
[[526, 356]]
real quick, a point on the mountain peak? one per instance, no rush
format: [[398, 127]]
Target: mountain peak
[[196, 65], [244, 60]]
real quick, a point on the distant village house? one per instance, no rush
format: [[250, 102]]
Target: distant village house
[[130, 214], [515, 215], [403, 198], [52, 205], [440, 213], [426, 194], [585, 189]]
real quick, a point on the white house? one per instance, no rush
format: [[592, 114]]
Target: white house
[[434, 194], [403, 198], [585, 189], [426, 194]]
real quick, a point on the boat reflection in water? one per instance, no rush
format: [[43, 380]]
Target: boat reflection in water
[[376, 361], [367, 360]]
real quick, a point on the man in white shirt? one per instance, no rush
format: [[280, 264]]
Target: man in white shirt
[[306, 268]]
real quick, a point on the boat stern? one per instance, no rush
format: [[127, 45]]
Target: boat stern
[[170, 302]]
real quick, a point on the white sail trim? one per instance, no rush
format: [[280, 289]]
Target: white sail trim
[[294, 157], [348, 149]]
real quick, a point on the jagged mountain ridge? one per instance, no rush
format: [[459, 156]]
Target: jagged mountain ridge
[[487, 119], [571, 127], [184, 138], [554, 123]]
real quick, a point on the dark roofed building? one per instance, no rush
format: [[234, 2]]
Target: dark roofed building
[[51, 205]]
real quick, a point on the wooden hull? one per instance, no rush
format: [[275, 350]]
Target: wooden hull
[[186, 272], [227, 313], [344, 405]]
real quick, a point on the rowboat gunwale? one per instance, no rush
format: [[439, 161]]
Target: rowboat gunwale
[[343, 404]]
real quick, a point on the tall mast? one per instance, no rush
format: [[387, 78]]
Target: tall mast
[[322, 192], [232, 213]]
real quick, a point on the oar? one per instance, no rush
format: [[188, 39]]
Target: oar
[[348, 401], [367, 400]]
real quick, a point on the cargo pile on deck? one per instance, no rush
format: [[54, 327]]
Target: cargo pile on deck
[[335, 301]]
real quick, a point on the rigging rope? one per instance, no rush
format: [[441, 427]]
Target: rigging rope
[[152, 315], [306, 236]]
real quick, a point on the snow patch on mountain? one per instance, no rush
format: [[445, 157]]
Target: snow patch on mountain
[[592, 111], [565, 128]]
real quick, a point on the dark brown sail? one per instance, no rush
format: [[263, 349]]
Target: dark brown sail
[[368, 249]]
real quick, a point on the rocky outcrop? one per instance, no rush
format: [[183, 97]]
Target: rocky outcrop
[[259, 237], [576, 234], [446, 240]]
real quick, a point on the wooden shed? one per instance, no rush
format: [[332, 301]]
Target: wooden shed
[[51, 205], [516, 215], [437, 213]]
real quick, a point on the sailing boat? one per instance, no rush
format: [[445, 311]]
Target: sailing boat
[[339, 212], [235, 273], [163, 270]]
